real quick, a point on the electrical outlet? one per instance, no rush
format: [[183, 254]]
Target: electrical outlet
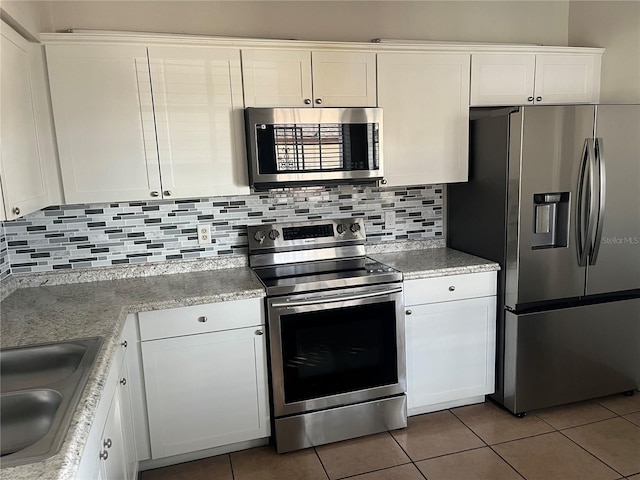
[[389, 220], [204, 234]]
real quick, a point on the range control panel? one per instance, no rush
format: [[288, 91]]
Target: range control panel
[[320, 233]]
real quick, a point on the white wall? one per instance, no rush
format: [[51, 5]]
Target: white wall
[[542, 22], [616, 27]]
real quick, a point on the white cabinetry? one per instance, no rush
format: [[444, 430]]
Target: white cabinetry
[[450, 338], [425, 99], [106, 127], [300, 78], [21, 172], [110, 452], [205, 376], [534, 78]]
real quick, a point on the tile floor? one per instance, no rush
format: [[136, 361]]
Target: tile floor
[[594, 440]]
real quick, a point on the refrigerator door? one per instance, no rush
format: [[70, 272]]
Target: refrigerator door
[[547, 150], [566, 355], [615, 265]]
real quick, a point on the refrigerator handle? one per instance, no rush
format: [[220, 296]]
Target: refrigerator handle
[[600, 166], [586, 199]]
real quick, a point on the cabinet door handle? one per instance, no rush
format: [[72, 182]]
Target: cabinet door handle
[[154, 193], [107, 443], [408, 312], [124, 344], [259, 332], [318, 101], [123, 381], [530, 99], [538, 99], [307, 101], [167, 193], [452, 288], [16, 211], [383, 181], [104, 455], [202, 319]]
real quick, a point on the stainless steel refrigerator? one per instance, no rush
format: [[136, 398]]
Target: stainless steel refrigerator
[[554, 196]]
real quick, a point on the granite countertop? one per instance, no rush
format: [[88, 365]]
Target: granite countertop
[[53, 312], [63, 312], [435, 262]]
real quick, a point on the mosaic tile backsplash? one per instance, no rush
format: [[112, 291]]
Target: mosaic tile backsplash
[[84, 236]]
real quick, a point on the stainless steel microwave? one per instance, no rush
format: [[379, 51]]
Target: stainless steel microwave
[[313, 146]]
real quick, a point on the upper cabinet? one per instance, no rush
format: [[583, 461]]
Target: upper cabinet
[[534, 78], [137, 127], [22, 182], [425, 100], [299, 78]]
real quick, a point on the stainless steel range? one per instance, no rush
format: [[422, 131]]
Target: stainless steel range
[[336, 332]]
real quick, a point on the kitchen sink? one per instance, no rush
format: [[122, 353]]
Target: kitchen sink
[[40, 387]]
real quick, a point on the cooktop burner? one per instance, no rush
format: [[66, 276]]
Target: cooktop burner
[[316, 255]]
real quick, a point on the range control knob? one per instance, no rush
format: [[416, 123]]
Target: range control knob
[[355, 227], [273, 234], [259, 236], [341, 228]]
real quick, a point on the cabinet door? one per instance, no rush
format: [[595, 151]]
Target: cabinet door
[[113, 457], [450, 351], [425, 98], [566, 78], [22, 177], [197, 98], [344, 79], [205, 390], [104, 122], [277, 78], [502, 79]]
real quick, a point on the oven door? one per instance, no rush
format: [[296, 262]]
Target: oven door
[[336, 347]]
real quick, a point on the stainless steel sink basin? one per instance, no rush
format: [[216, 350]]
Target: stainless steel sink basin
[[40, 388]]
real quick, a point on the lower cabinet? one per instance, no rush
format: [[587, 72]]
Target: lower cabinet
[[206, 384], [450, 338]]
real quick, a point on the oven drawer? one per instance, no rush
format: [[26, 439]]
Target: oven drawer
[[194, 319], [452, 287]]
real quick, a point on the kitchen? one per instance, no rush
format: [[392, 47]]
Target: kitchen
[[422, 203]]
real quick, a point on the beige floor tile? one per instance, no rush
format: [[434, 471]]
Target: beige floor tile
[[265, 464], [616, 442], [435, 434], [574, 414], [621, 404], [479, 464], [361, 455], [634, 417], [495, 425], [403, 472], [217, 468], [553, 457]]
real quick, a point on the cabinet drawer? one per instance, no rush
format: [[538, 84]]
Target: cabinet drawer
[[210, 317], [452, 287]]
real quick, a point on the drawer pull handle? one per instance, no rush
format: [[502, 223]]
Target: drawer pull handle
[[202, 319], [124, 344], [408, 312], [123, 381], [259, 332], [452, 288], [104, 455], [107, 443]]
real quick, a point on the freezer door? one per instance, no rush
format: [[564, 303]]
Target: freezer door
[[572, 354], [615, 266], [546, 153]]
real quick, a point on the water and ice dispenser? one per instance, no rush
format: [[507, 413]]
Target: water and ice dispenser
[[550, 220]]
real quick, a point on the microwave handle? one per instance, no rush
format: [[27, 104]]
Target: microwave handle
[[336, 298]]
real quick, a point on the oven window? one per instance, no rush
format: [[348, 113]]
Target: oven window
[[340, 350]]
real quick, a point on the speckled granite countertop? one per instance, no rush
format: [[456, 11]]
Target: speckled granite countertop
[[434, 262], [62, 312], [53, 312]]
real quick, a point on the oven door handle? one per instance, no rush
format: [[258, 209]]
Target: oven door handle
[[336, 298]]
